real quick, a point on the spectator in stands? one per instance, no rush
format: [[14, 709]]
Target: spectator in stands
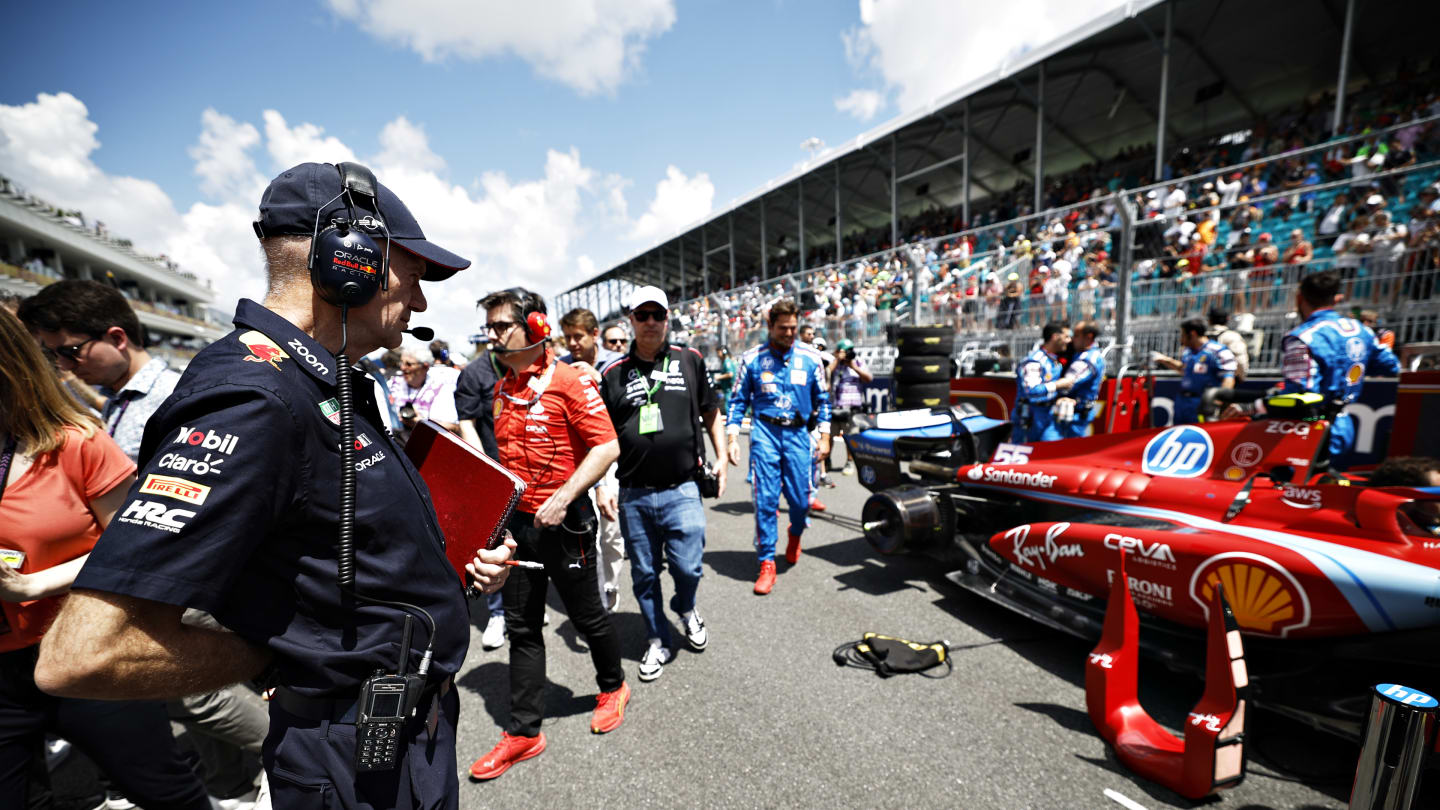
[[76, 478], [1221, 333], [1335, 219], [421, 393], [1008, 313], [93, 332], [1298, 251]]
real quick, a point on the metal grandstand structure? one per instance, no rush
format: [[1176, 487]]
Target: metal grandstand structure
[[1153, 77]]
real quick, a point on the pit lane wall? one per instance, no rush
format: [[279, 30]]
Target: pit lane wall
[[1374, 413]]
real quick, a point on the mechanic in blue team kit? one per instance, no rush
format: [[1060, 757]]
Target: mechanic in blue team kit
[[238, 512], [1039, 382], [1205, 364], [1328, 355], [785, 386], [1087, 374]]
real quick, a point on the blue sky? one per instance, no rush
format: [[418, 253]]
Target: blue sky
[[531, 135]]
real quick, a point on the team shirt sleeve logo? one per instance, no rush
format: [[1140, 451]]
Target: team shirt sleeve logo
[[263, 349]]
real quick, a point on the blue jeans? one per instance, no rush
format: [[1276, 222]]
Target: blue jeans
[[671, 521]]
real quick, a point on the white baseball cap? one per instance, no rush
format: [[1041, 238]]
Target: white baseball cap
[[649, 294]]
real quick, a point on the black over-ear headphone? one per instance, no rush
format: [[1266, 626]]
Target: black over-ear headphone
[[347, 267]]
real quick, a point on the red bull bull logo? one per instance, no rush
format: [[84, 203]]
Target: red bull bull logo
[[263, 349]]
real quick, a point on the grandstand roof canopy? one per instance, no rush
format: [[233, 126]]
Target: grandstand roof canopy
[[1232, 62]]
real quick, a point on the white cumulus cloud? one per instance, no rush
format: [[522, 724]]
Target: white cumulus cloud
[[679, 201], [590, 45], [524, 231], [863, 104], [926, 48]]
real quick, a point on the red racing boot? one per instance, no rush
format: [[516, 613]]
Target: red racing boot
[[792, 549], [816, 505], [766, 581]]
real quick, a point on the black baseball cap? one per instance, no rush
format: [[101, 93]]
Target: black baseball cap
[[289, 204]]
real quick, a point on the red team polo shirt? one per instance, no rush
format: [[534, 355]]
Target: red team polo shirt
[[545, 441]]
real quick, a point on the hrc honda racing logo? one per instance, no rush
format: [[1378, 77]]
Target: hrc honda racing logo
[[155, 515], [991, 475]]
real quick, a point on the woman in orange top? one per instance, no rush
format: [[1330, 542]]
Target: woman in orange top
[[61, 480]]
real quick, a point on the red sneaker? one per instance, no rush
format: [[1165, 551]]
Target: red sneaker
[[610, 710], [507, 752], [816, 505], [792, 549], [767, 577]]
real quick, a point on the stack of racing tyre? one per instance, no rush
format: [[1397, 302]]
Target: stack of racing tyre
[[922, 369]]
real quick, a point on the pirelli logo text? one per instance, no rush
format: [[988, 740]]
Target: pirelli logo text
[[177, 488]]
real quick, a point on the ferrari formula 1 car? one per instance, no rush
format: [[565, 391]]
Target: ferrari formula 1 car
[[1335, 584]]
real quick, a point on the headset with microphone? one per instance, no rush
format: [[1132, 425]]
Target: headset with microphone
[[533, 318], [347, 269]]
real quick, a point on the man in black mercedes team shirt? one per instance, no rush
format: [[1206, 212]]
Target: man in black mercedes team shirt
[[659, 396]]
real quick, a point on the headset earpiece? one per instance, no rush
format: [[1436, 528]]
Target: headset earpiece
[[537, 327], [347, 266]]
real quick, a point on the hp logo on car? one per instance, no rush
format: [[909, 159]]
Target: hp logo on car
[[1184, 451]]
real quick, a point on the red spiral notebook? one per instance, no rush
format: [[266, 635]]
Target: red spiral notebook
[[473, 495]]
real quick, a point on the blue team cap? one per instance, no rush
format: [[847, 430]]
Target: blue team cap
[[289, 204]]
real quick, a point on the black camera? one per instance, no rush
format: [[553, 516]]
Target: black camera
[[407, 412], [708, 481]]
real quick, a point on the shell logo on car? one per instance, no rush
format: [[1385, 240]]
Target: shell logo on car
[[1265, 597]]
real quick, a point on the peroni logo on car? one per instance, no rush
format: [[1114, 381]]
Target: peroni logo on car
[[1184, 451]]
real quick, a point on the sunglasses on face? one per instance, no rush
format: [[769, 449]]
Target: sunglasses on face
[[643, 315], [615, 341], [499, 328], [72, 352]]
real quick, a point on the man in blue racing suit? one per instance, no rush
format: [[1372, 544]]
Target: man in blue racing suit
[[1087, 374], [1205, 364], [784, 384], [1038, 384], [1330, 356]]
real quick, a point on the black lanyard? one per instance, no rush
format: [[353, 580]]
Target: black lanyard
[[5, 458]]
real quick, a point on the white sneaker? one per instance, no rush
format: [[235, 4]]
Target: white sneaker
[[494, 635], [695, 632], [612, 598], [246, 802], [653, 664]]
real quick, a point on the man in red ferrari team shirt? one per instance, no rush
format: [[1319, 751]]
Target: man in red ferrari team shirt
[[554, 432]]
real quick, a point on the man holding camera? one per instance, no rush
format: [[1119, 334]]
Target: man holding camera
[[659, 396]]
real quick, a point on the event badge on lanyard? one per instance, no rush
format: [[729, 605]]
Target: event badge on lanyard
[[650, 421]]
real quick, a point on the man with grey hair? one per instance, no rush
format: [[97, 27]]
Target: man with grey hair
[[242, 510]]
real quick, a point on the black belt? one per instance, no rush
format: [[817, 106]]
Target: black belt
[[781, 421], [340, 710]]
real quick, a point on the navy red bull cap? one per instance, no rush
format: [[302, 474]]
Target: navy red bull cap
[[289, 204]]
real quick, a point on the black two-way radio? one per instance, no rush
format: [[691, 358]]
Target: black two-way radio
[[347, 269]]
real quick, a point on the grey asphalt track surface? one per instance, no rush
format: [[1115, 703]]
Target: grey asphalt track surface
[[763, 718]]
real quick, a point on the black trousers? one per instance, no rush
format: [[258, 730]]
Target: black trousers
[[130, 741], [569, 559], [311, 764]]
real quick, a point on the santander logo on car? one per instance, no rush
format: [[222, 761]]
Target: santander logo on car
[[991, 475]]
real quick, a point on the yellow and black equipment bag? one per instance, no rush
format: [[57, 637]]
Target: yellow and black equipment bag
[[887, 655]]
